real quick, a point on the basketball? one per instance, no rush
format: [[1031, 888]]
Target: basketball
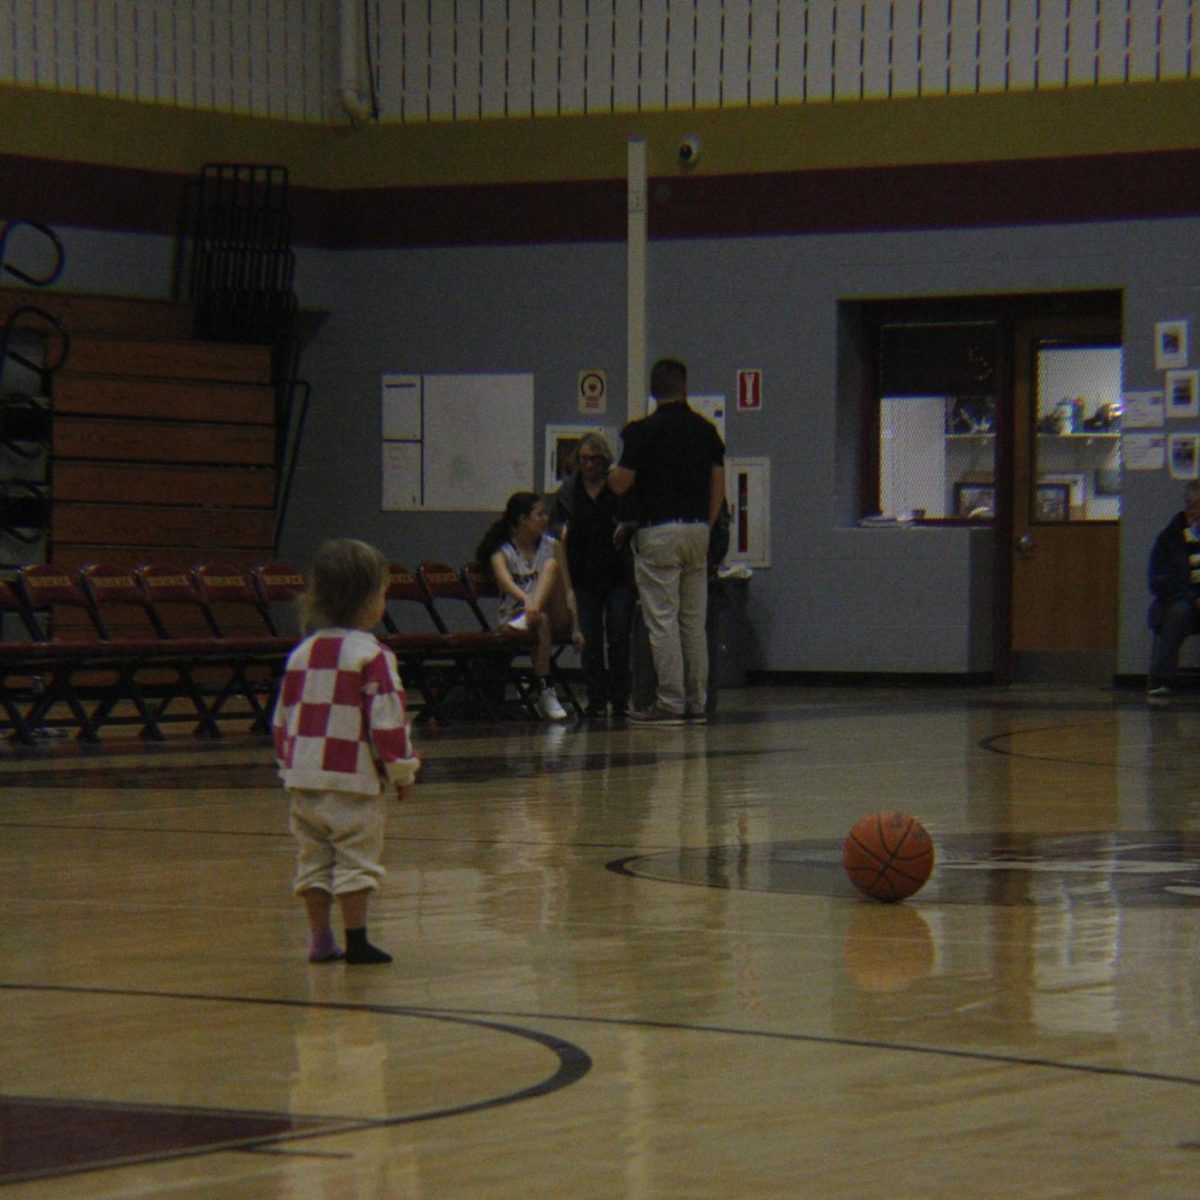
[[888, 855]]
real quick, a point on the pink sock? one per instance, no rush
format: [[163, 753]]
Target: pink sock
[[323, 947]]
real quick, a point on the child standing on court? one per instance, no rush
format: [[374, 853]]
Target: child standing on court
[[342, 739]]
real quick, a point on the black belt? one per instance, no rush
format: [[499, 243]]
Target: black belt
[[672, 521]]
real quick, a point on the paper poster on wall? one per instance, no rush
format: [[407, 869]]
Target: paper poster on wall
[[1144, 451], [455, 443], [1142, 410]]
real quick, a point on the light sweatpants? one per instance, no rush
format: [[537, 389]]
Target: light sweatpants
[[340, 835]]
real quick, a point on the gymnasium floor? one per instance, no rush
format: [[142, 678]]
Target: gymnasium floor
[[628, 964]]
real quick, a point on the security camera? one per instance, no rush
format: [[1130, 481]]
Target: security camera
[[689, 150]]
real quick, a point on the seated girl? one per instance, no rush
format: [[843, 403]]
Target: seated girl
[[530, 569]]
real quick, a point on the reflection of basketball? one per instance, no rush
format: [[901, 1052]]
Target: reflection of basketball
[[888, 855], [888, 947]]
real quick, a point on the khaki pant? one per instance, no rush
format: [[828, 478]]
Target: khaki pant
[[340, 835], [671, 569]]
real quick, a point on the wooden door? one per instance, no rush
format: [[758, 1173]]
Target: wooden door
[[1065, 506]]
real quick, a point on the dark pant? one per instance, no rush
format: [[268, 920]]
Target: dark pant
[[1173, 623], [605, 619]]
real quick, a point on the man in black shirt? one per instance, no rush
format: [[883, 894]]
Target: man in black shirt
[[675, 461]]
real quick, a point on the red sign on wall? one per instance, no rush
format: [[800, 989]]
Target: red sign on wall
[[749, 390]]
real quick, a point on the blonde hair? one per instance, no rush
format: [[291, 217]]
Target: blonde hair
[[596, 442], [344, 576]]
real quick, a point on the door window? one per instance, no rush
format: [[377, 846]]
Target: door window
[[1076, 440]]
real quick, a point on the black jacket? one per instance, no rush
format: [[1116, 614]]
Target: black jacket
[[1170, 571]]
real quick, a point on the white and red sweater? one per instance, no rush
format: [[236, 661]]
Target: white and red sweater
[[341, 721]]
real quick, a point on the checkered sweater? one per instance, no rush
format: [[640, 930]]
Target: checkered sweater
[[341, 721]]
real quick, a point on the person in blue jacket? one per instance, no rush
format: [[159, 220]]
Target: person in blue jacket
[[1174, 577]]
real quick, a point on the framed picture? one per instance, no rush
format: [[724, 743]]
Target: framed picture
[[1183, 455], [1052, 502], [1077, 490], [562, 442], [975, 501], [1183, 394], [1170, 345]]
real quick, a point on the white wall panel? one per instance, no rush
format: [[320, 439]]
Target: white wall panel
[[709, 29], [849, 17], [935, 48], [791, 53], [875, 49], [1025, 44], [819, 50], [519, 55], [466, 59], [680, 65], [1054, 44], [1083, 45], [627, 30], [443, 63], [543, 55], [1176, 46], [993, 45], [598, 94], [762, 46], [908, 45], [652, 56], [1144, 34], [1114, 47], [572, 58], [964, 45]]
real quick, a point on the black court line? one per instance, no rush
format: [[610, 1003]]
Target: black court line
[[573, 1064], [262, 776], [993, 744], [983, 1056]]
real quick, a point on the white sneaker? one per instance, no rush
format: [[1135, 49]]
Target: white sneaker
[[520, 623], [549, 707]]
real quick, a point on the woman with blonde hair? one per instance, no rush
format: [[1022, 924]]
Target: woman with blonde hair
[[596, 530]]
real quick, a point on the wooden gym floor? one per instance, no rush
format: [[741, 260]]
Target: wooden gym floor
[[628, 964]]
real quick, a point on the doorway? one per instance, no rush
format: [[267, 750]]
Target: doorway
[[1004, 412], [1064, 545]]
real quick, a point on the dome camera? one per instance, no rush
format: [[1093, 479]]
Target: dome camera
[[689, 150]]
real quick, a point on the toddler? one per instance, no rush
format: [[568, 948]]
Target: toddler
[[342, 738]]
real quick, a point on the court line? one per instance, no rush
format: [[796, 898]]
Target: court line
[[573, 1064]]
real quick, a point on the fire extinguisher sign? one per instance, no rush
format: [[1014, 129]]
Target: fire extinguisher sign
[[749, 390]]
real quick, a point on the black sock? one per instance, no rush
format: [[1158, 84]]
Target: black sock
[[359, 950]]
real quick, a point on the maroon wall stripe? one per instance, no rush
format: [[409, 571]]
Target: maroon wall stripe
[[844, 200]]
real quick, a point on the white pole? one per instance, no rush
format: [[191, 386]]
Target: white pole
[[636, 282]]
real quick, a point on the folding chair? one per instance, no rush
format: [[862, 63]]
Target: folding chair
[[232, 610], [278, 585], [426, 658], [117, 601], [483, 589], [58, 605], [22, 666], [169, 589], [483, 655]]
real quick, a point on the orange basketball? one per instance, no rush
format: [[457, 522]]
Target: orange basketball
[[888, 855]]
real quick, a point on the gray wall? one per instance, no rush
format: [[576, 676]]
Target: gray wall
[[838, 598]]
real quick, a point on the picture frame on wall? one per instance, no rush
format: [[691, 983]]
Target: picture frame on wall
[[1170, 345], [975, 501], [1183, 455], [1052, 502], [1183, 393]]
